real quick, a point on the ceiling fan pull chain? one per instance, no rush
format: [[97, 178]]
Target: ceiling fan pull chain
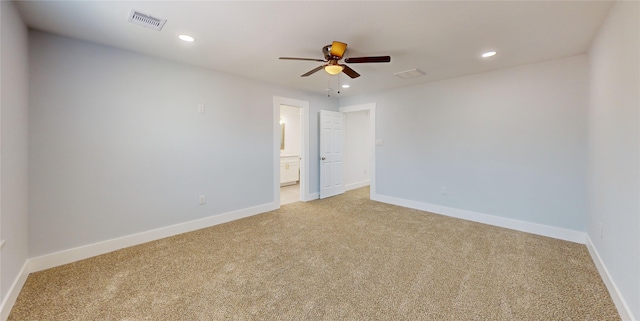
[[329, 87]]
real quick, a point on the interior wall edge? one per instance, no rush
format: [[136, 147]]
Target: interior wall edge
[[528, 227], [349, 187], [518, 225], [616, 296], [14, 292], [51, 260], [59, 258]]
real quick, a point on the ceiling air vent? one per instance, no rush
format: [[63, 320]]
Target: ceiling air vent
[[412, 73], [146, 20]]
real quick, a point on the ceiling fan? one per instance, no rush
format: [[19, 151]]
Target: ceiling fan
[[334, 53]]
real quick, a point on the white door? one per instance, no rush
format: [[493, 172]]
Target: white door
[[331, 153]]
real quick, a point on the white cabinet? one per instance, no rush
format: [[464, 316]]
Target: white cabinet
[[289, 170]]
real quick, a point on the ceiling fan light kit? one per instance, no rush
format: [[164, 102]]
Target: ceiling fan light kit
[[334, 53], [333, 69]]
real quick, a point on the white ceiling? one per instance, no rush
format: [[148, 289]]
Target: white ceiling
[[442, 38]]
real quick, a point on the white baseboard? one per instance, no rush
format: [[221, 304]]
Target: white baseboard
[[87, 251], [351, 186], [618, 300], [312, 196], [79, 253], [533, 228], [83, 252], [14, 291]]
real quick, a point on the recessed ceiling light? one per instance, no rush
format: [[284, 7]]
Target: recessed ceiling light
[[187, 38], [345, 86], [489, 54]]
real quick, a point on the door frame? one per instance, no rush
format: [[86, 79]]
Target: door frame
[[371, 107], [304, 164]]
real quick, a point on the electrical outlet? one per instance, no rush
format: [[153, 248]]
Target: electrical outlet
[[600, 229], [203, 200], [365, 172], [443, 190], [201, 109]]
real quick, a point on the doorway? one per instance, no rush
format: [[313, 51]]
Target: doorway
[[360, 176], [290, 154], [290, 150]]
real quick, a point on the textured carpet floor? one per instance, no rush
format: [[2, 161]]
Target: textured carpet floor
[[343, 258]]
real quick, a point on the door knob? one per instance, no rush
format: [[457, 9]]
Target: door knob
[[323, 158]]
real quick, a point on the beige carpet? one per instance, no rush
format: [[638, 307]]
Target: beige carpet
[[343, 258]]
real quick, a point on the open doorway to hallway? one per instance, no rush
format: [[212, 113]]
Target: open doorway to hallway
[[357, 150], [360, 144]]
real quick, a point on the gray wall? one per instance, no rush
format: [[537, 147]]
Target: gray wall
[[510, 143], [117, 145], [13, 146], [614, 140]]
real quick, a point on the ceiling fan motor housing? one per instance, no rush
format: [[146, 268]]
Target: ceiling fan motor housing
[[337, 49], [326, 50], [334, 51]]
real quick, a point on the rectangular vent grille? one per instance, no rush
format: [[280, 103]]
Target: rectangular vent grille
[[146, 20], [410, 73]]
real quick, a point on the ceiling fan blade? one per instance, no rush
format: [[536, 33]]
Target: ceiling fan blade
[[309, 59], [350, 72], [360, 60], [338, 48], [311, 72]]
